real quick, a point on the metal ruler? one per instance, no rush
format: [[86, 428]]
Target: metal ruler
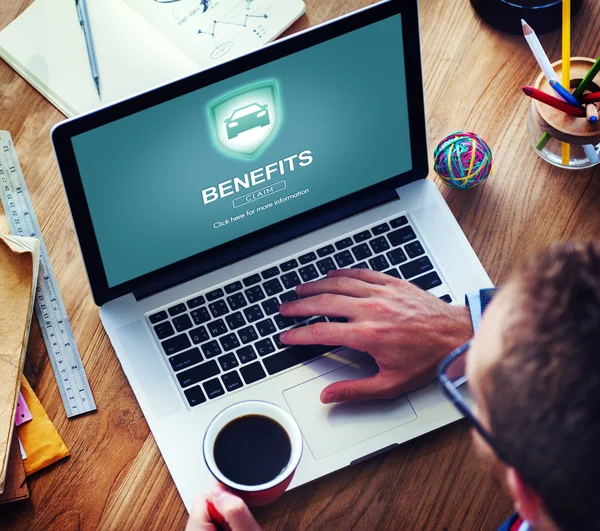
[[49, 307]]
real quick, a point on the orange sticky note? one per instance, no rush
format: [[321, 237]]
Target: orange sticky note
[[41, 442]]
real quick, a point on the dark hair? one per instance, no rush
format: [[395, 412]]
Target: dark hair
[[544, 401]]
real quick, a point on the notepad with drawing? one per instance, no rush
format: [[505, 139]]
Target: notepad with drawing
[[139, 44]]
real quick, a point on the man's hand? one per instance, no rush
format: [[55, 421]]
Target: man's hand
[[407, 330], [233, 509]]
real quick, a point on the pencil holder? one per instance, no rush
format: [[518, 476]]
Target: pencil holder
[[548, 128]]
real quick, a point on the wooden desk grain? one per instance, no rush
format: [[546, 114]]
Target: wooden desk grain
[[116, 478]]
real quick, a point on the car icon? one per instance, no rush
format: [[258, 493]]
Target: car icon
[[246, 118]]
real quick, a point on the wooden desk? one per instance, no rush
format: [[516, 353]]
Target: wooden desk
[[116, 478]]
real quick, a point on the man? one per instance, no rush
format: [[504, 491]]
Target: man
[[533, 372]]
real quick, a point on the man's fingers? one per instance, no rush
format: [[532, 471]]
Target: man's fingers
[[233, 509], [331, 334], [366, 275], [199, 518], [377, 386], [324, 304], [340, 285]]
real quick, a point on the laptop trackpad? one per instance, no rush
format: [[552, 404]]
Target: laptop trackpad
[[329, 428]]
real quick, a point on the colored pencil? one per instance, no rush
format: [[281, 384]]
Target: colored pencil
[[592, 97], [564, 93], [585, 82], [546, 98], [590, 152], [592, 113], [566, 67], [538, 51]]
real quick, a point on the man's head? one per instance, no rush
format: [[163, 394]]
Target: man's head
[[534, 372]]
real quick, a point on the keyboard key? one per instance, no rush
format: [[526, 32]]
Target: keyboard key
[[236, 301], [185, 359], [271, 306], [195, 302], [344, 259], [194, 396], [248, 334], [380, 229], [270, 273], [255, 294], [228, 361], [216, 328], [213, 388], [253, 372], [400, 236], [218, 308], [177, 309], [235, 320], [254, 313], [428, 281], [266, 327], [446, 298], [272, 287], [251, 280], [163, 330], [306, 258], [327, 264], [344, 244], [360, 265], [278, 344], [317, 320], [289, 265], [232, 381], [182, 323], [308, 273], [414, 249], [211, 349], [229, 342], [246, 354], [416, 267], [289, 296], [397, 256], [337, 319], [214, 294], [200, 316], [233, 287], [361, 251], [283, 322], [264, 347], [157, 317], [199, 335], [199, 373], [393, 273], [290, 280], [379, 244], [379, 263], [176, 344], [324, 251], [362, 236], [293, 356], [398, 222]]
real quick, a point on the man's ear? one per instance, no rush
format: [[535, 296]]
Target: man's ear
[[527, 502]]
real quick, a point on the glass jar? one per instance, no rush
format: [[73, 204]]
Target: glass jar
[[549, 128]]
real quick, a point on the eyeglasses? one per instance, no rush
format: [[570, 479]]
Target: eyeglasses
[[453, 379]]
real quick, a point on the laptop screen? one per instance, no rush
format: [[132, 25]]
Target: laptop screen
[[247, 152]]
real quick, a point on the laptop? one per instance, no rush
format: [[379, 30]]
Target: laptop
[[200, 206]]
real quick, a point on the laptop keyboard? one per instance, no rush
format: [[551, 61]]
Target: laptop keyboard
[[226, 338]]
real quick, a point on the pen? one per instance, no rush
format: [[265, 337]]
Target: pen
[[84, 21], [564, 93]]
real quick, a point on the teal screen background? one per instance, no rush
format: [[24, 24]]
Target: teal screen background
[[143, 175]]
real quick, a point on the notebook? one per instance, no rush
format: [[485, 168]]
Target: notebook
[[139, 44], [19, 261]]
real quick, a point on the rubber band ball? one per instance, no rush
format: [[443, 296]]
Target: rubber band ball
[[463, 160]]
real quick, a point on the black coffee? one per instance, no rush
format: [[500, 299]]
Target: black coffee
[[252, 450]]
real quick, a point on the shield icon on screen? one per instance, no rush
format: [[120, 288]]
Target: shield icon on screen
[[244, 121]]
